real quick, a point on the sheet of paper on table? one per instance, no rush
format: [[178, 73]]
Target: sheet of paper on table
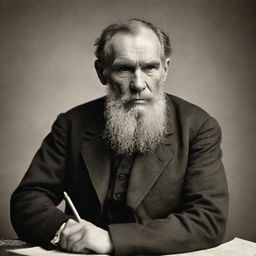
[[39, 251], [235, 247]]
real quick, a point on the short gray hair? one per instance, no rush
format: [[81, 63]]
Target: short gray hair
[[129, 26]]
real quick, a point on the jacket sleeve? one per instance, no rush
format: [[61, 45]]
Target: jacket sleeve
[[201, 221], [34, 214]]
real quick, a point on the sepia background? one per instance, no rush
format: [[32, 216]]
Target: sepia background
[[46, 67]]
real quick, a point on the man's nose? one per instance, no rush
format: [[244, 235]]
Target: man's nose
[[137, 83]]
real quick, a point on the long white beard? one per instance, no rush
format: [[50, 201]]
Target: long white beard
[[136, 129]]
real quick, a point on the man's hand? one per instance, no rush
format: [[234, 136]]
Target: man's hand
[[81, 236]]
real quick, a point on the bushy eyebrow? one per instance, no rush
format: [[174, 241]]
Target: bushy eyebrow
[[124, 62], [153, 63]]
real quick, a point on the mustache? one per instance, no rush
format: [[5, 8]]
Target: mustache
[[130, 99]]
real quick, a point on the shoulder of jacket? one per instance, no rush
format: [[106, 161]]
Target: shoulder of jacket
[[188, 115], [186, 109], [86, 110]]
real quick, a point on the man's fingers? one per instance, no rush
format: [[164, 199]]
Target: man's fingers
[[79, 245], [73, 239], [77, 237], [71, 222], [71, 227], [63, 241], [72, 233]]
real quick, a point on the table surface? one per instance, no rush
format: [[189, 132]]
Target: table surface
[[11, 244]]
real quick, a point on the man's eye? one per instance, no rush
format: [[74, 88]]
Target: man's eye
[[150, 67], [123, 69]]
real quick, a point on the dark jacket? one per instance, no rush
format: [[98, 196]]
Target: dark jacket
[[178, 194]]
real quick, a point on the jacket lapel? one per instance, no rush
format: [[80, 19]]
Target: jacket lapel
[[97, 158], [148, 167]]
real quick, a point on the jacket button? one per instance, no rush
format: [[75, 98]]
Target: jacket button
[[123, 177], [119, 196]]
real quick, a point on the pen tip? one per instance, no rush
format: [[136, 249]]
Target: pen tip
[[65, 194]]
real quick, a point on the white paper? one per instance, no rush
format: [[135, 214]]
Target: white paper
[[39, 251], [235, 247]]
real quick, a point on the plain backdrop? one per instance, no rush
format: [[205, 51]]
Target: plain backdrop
[[46, 67]]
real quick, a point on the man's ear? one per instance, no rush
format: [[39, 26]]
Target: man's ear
[[166, 67], [100, 72]]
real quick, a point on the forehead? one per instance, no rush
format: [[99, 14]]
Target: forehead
[[142, 45]]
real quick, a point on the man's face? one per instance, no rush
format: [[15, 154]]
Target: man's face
[[135, 69]]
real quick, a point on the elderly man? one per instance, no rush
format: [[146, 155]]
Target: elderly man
[[143, 168]]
